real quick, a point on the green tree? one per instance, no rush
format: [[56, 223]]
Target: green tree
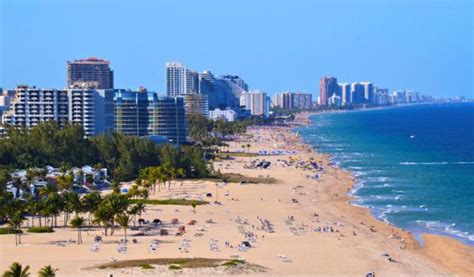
[[17, 270], [123, 220], [15, 221], [47, 271], [78, 222], [90, 202]]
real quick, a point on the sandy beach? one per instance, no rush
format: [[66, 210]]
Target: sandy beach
[[302, 224]]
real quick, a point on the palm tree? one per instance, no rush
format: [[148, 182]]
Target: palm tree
[[90, 202], [103, 215], [15, 221], [141, 208], [17, 270], [123, 220], [77, 222], [47, 271]]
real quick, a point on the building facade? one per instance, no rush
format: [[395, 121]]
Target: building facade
[[369, 95], [328, 86], [345, 90], [302, 101], [31, 106], [91, 73], [357, 93], [196, 104], [168, 119], [176, 79], [256, 101], [90, 108], [226, 115]]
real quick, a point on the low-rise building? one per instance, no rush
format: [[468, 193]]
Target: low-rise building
[[227, 114]]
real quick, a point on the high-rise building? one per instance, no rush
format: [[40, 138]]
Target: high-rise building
[[345, 89], [368, 92], [236, 80], [357, 93], [90, 73], [334, 100], [196, 104], [284, 100], [143, 113], [302, 100], [381, 96], [32, 106], [256, 101], [223, 91], [328, 86], [176, 79], [131, 112], [192, 81], [291, 100], [90, 108], [168, 119]]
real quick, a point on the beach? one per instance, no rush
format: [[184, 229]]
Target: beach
[[300, 222]]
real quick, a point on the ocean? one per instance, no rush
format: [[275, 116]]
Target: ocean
[[414, 165]]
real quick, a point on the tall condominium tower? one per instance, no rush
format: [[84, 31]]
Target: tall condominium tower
[[369, 95], [143, 113], [192, 82], [284, 100], [31, 106], [90, 73], [345, 89], [256, 101], [176, 79], [328, 87], [90, 108], [357, 93]]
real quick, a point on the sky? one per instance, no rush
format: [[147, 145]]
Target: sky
[[273, 45]]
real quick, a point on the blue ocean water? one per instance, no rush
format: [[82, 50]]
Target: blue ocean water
[[414, 165]]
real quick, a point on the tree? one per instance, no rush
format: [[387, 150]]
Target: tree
[[78, 222], [123, 220], [194, 206], [65, 181], [104, 215], [90, 202], [47, 271], [140, 208], [15, 221], [17, 270]]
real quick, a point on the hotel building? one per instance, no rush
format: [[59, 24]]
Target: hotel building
[[256, 101], [90, 73], [327, 87]]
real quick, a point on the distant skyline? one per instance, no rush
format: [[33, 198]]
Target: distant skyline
[[273, 45]]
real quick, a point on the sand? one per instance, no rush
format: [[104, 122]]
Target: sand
[[355, 247]]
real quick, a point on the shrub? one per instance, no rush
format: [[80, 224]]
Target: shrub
[[40, 230], [8, 231], [147, 266], [174, 267], [234, 262]]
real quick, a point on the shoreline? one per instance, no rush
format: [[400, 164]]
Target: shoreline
[[315, 231], [431, 245]]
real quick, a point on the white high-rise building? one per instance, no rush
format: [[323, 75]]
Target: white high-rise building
[[256, 101], [345, 89], [176, 79], [90, 108]]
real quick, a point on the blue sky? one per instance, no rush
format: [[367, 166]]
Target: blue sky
[[273, 45]]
